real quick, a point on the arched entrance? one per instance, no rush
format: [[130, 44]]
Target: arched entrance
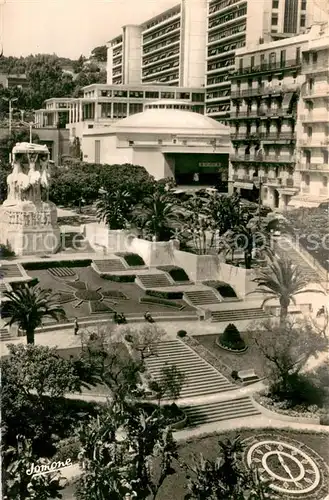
[[276, 198]]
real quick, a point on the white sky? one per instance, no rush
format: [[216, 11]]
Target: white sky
[[69, 27]]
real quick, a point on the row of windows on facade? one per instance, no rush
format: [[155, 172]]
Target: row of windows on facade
[[227, 47], [221, 64], [164, 43], [275, 4], [275, 20], [117, 41], [121, 110], [214, 7], [272, 59], [117, 52], [229, 32], [163, 79], [163, 67], [147, 94], [163, 55], [217, 109], [161, 19], [162, 32], [218, 21], [267, 128]]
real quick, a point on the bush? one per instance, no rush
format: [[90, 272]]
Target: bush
[[132, 259], [181, 333], [67, 448], [129, 338], [234, 375], [48, 264], [231, 338], [177, 273], [119, 278], [164, 295], [299, 390], [324, 420], [162, 302], [6, 251]]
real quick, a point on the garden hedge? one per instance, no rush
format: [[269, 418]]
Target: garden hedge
[[177, 273], [132, 259], [119, 278], [48, 264], [162, 302], [164, 295]]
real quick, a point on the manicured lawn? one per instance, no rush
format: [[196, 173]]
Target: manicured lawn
[[174, 486], [94, 282], [250, 359]]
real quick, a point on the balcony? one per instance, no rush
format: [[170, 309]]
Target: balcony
[[315, 93], [319, 167], [279, 182], [266, 67], [315, 117], [246, 136], [262, 158], [278, 136], [242, 178], [315, 68], [311, 142]]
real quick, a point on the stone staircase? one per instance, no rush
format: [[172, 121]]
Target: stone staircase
[[154, 280], [5, 335], [221, 410], [296, 258], [200, 377], [110, 265], [202, 297], [10, 271], [238, 315]]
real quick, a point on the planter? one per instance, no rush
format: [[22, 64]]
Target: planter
[[302, 419], [234, 351], [180, 424]]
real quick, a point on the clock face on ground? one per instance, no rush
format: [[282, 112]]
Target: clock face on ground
[[292, 469]]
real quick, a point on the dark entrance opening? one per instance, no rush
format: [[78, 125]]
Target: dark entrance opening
[[276, 198], [201, 169]]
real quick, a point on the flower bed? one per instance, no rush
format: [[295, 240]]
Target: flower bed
[[281, 407], [230, 349], [132, 259], [177, 273], [114, 294], [163, 302], [225, 290], [164, 295], [175, 416], [35, 266], [119, 278], [231, 339], [97, 307]]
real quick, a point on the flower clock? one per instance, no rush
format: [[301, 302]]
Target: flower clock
[[292, 469]]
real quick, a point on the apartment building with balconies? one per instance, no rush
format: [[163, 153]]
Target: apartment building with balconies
[[312, 165], [233, 24], [264, 98]]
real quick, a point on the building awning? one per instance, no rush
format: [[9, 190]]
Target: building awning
[[287, 100], [287, 191], [244, 185]]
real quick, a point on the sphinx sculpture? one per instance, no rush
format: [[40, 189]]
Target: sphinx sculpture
[[28, 220]]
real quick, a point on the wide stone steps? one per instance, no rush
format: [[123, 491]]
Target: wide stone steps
[[110, 265], [154, 280], [202, 297], [238, 315], [10, 271], [286, 250], [5, 335], [200, 377], [220, 410]]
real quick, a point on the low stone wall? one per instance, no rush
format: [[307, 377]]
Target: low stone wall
[[107, 240], [283, 416], [154, 253]]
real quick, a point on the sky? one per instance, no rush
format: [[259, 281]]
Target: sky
[[69, 28]]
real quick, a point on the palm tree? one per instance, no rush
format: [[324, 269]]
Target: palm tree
[[282, 280], [158, 215], [28, 305], [114, 208]]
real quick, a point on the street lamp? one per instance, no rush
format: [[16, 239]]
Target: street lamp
[[10, 100], [30, 125]]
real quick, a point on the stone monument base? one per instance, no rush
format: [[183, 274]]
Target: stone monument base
[[30, 229]]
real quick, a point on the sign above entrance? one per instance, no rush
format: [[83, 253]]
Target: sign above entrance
[[243, 185], [210, 164]]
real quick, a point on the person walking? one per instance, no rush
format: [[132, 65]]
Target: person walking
[[76, 326]]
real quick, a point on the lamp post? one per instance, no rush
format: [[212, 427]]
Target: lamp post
[[30, 125], [10, 101]]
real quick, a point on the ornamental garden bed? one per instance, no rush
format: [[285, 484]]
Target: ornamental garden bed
[[282, 408], [177, 273], [231, 340], [119, 278], [132, 259], [224, 289], [47, 264], [163, 302], [164, 294]]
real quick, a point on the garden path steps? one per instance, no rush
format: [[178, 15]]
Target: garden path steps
[[253, 313], [110, 265], [154, 280], [202, 297], [285, 248], [10, 271], [207, 413], [200, 377]]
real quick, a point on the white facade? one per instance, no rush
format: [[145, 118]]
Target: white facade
[[312, 167]]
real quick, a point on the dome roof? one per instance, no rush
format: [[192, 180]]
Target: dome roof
[[170, 120]]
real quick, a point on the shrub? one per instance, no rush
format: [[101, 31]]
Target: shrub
[[67, 448], [298, 390], [129, 338], [119, 278], [45, 264], [181, 333], [177, 273], [234, 375], [162, 302], [164, 295], [132, 259], [6, 251], [231, 338], [324, 420]]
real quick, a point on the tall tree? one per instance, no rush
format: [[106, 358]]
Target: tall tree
[[99, 53], [28, 305], [282, 280]]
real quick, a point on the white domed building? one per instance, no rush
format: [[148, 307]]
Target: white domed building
[[168, 139]]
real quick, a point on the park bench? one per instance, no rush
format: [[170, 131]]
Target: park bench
[[247, 376]]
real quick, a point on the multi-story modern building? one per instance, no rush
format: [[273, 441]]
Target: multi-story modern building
[[102, 105], [265, 91], [167, 49], [312, 165]]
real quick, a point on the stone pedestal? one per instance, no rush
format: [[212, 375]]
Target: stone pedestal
[[29, 228]]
